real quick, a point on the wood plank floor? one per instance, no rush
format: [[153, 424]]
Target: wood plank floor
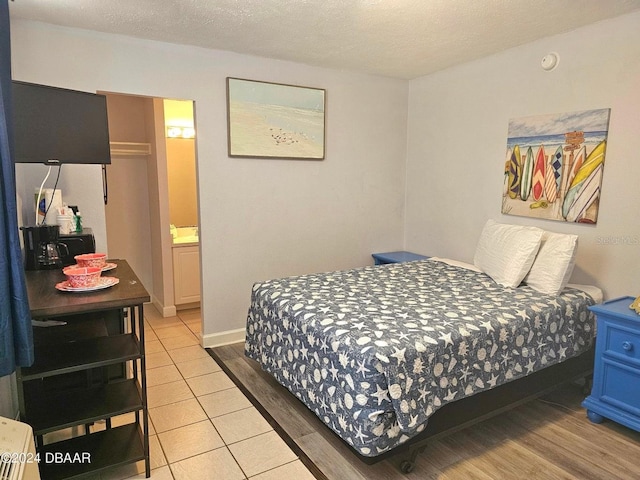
[[548, 438]]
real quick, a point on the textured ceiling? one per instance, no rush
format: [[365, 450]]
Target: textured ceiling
[[395, 38]]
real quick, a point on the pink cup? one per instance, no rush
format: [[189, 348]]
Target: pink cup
[[83, 277], [91, 260]]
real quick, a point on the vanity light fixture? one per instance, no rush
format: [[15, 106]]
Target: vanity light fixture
[[180, 132]]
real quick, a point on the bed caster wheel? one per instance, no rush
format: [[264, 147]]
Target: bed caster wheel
[[407, 466]]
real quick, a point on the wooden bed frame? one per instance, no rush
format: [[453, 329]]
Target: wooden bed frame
[[460, 414]]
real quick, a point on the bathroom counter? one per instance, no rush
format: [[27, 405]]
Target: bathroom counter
[[184, 236], [185, 241]]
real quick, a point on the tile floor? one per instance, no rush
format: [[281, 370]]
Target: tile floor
[[201, 425]]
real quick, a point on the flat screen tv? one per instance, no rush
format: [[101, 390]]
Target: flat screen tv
[[58, 126]]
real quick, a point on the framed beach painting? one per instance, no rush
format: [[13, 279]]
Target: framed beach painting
[[273, 120], [554, 166]]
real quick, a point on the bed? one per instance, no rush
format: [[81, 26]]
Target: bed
[[376, 352]]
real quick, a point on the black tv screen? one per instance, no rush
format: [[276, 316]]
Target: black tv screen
[[57, 126]]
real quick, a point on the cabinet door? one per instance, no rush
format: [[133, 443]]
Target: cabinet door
[[186, 274]]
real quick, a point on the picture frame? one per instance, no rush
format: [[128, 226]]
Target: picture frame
[[554, 166], [274, 120]]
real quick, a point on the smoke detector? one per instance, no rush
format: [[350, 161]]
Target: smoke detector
[[550, 61]]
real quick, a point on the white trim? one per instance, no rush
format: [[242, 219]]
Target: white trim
[[169, 311], [223, 338], [129, 149]]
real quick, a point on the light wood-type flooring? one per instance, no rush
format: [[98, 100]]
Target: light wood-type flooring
[[546, 438]]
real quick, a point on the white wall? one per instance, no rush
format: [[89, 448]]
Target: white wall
[[259, 219], [81, 185], [458, 121]]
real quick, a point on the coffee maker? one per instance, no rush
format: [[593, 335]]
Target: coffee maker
[[42, 250]]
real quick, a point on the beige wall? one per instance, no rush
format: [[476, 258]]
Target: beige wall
[[183, 189], [458, 122], [127, 119], [127, 211], [181, 165]]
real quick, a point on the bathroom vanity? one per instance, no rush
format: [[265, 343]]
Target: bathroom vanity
[[186, 266]]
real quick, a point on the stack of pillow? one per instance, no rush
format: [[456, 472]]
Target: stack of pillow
[[513, 254]]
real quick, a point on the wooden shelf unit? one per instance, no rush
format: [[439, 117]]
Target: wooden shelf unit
[[89, 367]]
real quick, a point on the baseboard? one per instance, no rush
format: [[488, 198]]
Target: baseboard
[[187, 306], [165, 311], [223, 338]]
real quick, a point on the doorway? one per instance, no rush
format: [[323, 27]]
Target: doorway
[[147, 166], [183, 202]]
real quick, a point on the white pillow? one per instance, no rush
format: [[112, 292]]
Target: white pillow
[[506, 252], [554, 263]]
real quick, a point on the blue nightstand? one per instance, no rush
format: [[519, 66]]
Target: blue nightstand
[[616, 372], [396, 257]]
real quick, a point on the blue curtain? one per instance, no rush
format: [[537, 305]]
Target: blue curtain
[[16, 336]]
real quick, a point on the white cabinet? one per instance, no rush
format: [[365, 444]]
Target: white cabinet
[[186, 274]]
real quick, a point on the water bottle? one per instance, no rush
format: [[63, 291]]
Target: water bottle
[[78, 222]]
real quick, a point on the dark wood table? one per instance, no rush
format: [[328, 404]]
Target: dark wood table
[[46, 301]]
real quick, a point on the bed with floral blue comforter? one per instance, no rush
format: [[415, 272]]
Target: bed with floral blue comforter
[[375, 351]]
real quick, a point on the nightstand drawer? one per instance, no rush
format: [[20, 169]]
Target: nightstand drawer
[[621, 387], [623, 341]]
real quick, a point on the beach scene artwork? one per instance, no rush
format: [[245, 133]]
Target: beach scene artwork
[[554, 166], [271, 120]]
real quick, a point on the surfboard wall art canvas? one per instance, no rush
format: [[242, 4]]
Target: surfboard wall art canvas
[[272, 120], [554, 166]]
